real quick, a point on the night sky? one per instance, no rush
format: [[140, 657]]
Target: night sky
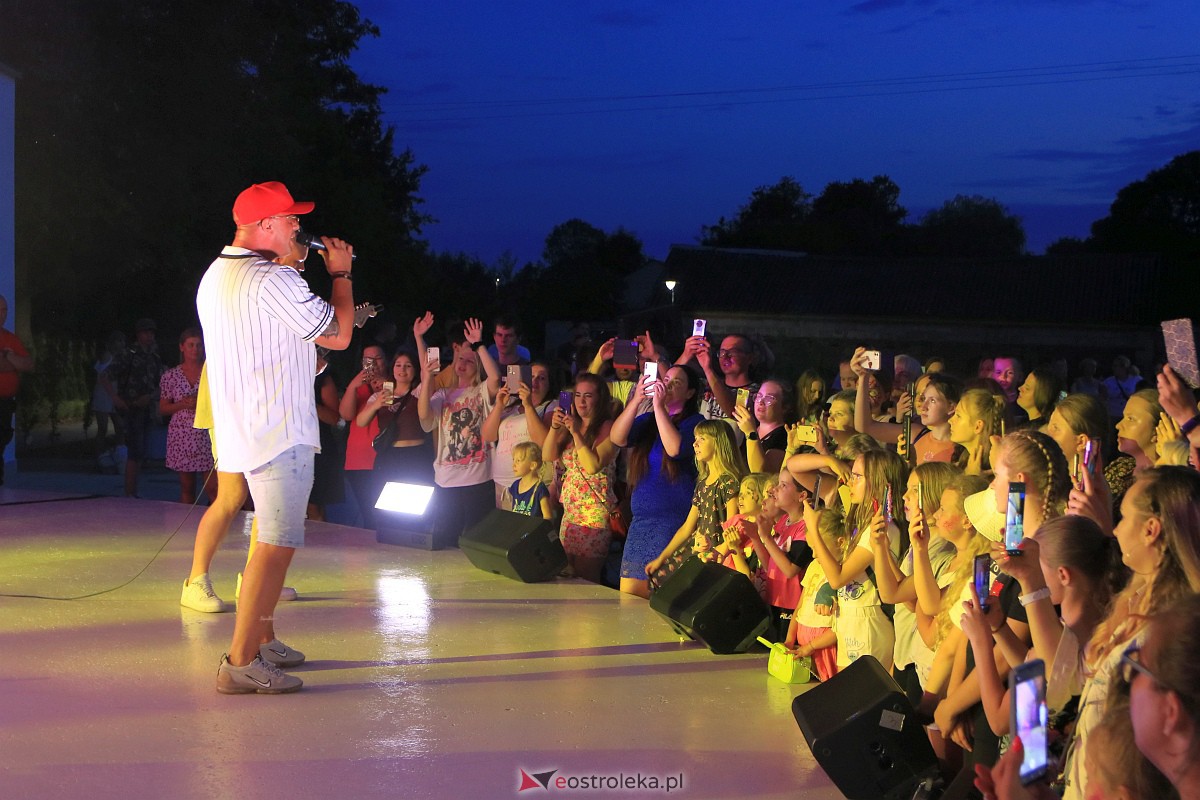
[[663, 116]]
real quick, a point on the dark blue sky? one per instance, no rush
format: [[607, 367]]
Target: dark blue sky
[[663, 116]]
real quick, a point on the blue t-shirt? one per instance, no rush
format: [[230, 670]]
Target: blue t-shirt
[[528, 503]]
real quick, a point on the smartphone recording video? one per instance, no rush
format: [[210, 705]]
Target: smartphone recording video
[[566, 399], [1030, 717], [625, 354], [806, 434], [983, 580], [872, 360], [1180, 340], [698, 326], [651, 371], [743, 398], [1014, 522], [433, 357]]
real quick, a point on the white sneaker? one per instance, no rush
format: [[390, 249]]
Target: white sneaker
[[287, 593], [198, 595]]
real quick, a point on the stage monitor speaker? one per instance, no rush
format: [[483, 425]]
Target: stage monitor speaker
[[515, 546], [714, 605], [865, 735]]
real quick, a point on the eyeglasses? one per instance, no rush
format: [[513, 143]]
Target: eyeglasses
[[293, 217], [1131, 664], [736, 351], [767, 399]]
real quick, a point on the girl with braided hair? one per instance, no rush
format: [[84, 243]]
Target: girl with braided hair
[[1034, 459], [976, 419]]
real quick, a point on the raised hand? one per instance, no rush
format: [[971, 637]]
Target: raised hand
[[421, 325], [473, 330], [656, 390], [918, 532], [904, 405], [606, 349], [857, 362], [745, 421], [1093, 500], [648, 351], [1026, 568], [703, 353], [525, 394], [1168, 430], [1174, 395]]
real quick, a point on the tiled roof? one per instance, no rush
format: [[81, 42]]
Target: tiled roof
[[1120, 289]]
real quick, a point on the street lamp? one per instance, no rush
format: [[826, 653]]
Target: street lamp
[[671, 288]]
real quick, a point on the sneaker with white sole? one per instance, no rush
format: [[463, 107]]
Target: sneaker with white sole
[[257, 677], [198, 595], [280, 654], [286, 594]]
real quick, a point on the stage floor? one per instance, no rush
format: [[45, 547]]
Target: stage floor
[[425, 677]]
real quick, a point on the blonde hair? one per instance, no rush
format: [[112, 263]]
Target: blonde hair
[[1041, 460], [934, 477], [831, 527], [882, 469], [758, 482], [1172, 496], [963, 487], [727, 457], [532, 451], [980, 404]]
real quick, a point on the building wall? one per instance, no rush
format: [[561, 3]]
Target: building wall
[[8, 112]]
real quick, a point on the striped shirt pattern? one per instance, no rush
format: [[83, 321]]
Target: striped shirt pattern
[[259, 319]]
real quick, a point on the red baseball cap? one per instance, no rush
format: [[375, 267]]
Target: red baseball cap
[[262, 200]]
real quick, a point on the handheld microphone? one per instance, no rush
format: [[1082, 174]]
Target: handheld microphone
[[306, 239]]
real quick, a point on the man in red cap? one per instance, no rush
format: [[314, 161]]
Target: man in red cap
[[260, 321]]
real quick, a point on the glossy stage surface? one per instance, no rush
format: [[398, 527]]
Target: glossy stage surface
[[425, 677]]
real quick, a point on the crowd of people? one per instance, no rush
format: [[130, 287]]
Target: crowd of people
[[860, 503], [858, 506]]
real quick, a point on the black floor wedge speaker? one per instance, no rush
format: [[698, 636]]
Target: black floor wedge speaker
[[515, 546], [865, 735], [714, 605]]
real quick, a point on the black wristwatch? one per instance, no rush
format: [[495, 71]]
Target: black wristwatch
[[477, 345], [752, 436]]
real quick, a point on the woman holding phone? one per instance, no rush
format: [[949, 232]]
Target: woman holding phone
[[766, 436], [662, 468], [360, 452], [521, 414], [406, 455], [461, 466], [579, 436]]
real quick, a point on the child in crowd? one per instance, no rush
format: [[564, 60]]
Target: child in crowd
[[976, 419], [811, 630], [737, 550], [863, 628], [782, 548], [720, 466], [529, 495]]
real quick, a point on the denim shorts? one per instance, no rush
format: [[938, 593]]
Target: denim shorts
[[280, 489]]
